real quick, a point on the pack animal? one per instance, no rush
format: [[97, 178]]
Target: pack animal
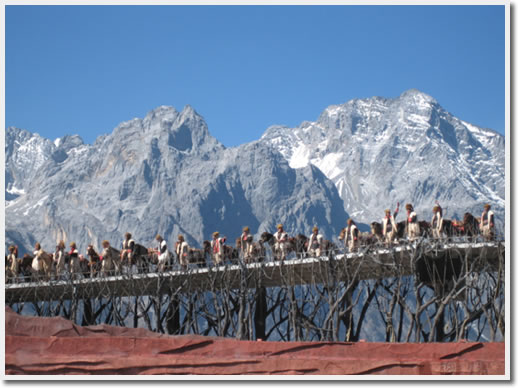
[[26, 267], [110, 262], [43, 264], [257, 251], [471, 225], [377, 232], [291, 244], [139, 258], [94, 263]]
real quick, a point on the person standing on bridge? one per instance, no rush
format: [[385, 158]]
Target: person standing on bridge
[[315, 243], [128, 249], [217, 248], [182, 250], [59, 259], [12, 266], [389, 226], [109, 259], [246, 245], [487, 223], [351, 235], [42, 262], [163, 253], [412, 224], [75, 267], [437, 221], [37, 263], [281, 239]]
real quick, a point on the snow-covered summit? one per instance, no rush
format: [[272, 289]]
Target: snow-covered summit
[[379, 151], [166, 173]]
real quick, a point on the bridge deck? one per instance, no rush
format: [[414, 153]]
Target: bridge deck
[[374, 264]]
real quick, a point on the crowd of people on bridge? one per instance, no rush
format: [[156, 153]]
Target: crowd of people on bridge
[[110, 260]]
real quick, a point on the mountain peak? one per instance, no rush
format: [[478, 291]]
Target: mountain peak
[[68, 141], [417, 97], [189, 110], [402, 149], [162, 112]]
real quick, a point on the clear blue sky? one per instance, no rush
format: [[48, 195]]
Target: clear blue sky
[[85, 69]]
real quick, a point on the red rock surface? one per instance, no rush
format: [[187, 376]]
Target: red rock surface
[[57, 346]]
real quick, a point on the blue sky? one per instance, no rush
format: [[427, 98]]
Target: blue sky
[[85, 69]]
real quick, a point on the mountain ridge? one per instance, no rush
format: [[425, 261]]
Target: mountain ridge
[[146, 179], [355, 159], [369, 135]]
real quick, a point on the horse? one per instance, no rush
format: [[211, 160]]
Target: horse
[[140, 258], [328, 247], [401, 229], [43, 265], [269, 238], [368, 239], [377, 231], [301, 245], [231, 254], [291, 245], [152, 255], [207, 248], [449, 228], [425, 228], [192, 256], [471, 225], [25, 266], [364, 238], [84, 266], [94, 262], [257, 251], [197, 257], [111, 261]]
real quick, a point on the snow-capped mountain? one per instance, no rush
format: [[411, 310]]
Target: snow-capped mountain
[[162, 174], [379, 151], [166, 174]]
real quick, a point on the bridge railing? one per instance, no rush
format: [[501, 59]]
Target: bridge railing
[[339, 249]]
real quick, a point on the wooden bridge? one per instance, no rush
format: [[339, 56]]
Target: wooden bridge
[[411, 259]]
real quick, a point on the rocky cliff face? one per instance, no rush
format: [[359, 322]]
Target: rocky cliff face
[[166, 174], [162, 174], [379, 151]]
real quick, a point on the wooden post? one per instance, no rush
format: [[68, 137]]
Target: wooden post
[[135, 313], [241, 326], [88, 316], [261, 308], [173, 315]]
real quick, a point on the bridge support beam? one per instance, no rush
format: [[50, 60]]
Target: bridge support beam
[[423, 293], [261, 309], [173, 315]]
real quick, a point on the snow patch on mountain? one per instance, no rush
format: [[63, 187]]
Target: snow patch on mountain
[[162, 174], [165, 173], [379, 151]]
